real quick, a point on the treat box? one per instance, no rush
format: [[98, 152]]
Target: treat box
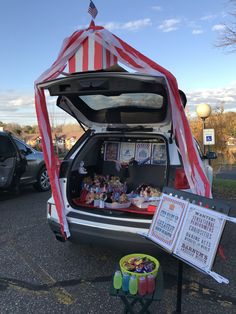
[[146, 204], [117, 205]]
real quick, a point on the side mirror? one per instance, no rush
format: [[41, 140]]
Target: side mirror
[[211, 155], [23, 152]]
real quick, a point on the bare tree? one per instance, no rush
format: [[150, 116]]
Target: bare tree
[[228, 38]]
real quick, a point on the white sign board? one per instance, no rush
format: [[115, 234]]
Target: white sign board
[[208, 136], [200, 235], [167, 221], [191, 232]]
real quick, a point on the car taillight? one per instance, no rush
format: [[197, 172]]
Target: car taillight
[[181, 181], [151, 209]]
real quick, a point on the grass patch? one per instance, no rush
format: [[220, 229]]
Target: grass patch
[[224, 188]]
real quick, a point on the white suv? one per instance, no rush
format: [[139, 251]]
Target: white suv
[[128, 138]]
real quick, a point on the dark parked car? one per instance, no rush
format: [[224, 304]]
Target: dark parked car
[[20, 165]]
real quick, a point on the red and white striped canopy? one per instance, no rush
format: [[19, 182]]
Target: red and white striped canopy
[[91, 56], [95, 48]]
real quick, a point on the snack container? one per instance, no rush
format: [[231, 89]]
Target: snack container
[[137, 201], [126, 258], [117, 205]]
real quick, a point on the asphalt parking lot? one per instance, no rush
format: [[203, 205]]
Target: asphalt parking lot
[[41, 275]]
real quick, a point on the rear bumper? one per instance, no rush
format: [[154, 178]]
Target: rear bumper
[[56, 229], [108, 238]]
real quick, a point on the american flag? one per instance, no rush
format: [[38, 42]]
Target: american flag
[[92, 10]]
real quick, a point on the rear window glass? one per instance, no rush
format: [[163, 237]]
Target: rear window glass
[[131, 100]]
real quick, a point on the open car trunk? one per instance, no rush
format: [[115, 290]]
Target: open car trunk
[[113, 99], [110, 167]]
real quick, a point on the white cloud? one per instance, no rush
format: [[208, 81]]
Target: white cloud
[[157, 8], [197, 31], [137, 24], [214, 97], [224, 14], [208, 17], [169, 25], [131, 25], [18, 107], [192, 24], [218, 27], [112, 25], [11, 100]]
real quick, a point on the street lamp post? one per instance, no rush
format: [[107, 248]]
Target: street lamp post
[[203, 112]]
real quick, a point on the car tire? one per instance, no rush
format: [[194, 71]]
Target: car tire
[[43, 183]]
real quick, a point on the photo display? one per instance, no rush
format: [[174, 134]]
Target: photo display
[[112, 150], [159, 156], [146, 153], [127, 151], [143, 153]]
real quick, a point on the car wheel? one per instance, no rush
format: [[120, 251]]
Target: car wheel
[[43, 183]]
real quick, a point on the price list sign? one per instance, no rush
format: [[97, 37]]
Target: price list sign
[[190, 232], [167, 221], [199, 237]]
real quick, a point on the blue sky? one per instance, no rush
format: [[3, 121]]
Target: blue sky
[[179, 35]]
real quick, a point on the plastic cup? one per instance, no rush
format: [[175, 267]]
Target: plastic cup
[[142, 286], [117, 280], [125, 282], [150, 284], [133, 285]]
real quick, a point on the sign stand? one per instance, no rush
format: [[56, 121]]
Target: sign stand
[[179, 287], [203, 201], [208, 203]]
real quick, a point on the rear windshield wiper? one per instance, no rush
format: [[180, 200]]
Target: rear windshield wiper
[[130, 129]]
